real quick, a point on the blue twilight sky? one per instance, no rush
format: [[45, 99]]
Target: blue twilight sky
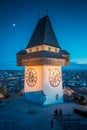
[[18, 19]]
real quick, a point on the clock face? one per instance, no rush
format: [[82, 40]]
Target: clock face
[[54, 77], [31, 77]]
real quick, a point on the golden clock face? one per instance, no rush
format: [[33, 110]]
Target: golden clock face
[[54, 77], [31, 77]]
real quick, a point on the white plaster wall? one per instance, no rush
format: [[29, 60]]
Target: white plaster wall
[[44, 84], [49, 90]]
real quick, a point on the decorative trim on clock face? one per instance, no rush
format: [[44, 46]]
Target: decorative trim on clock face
[[31, 77], [54, 77]]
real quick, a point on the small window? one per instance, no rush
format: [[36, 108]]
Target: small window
[[55, 50], [30, 50], [37, 49], [49, 48]]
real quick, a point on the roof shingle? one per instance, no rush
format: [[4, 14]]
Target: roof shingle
[[43, 34]]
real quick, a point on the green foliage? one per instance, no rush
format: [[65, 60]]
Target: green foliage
[[3, 89]]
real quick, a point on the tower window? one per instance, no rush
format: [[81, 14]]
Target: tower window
[[49, 48], [30, 50], [55, 50], [37, 49]]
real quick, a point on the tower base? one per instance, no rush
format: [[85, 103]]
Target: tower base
[[37, 97], [40, 98]]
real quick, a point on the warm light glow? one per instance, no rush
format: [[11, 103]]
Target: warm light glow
[[41, 48], [53, 93], [38, 85]]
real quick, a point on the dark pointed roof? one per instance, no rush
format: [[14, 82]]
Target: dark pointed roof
[[43, 34]]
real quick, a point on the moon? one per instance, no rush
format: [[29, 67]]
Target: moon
[[13, 24]]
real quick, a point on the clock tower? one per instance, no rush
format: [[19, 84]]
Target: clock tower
[[43, 59]]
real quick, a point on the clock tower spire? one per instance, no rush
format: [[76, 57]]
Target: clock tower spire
[[43, 58]]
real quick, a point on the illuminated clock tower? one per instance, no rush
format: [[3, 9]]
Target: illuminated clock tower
[[43, 59]]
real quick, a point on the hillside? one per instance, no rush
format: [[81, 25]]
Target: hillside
[[75, 66]]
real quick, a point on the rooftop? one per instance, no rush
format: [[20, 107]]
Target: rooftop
[[43, 34]]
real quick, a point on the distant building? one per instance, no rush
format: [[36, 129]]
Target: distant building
[[81, 83]]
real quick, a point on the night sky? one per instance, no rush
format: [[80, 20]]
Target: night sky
[[18, 19]]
